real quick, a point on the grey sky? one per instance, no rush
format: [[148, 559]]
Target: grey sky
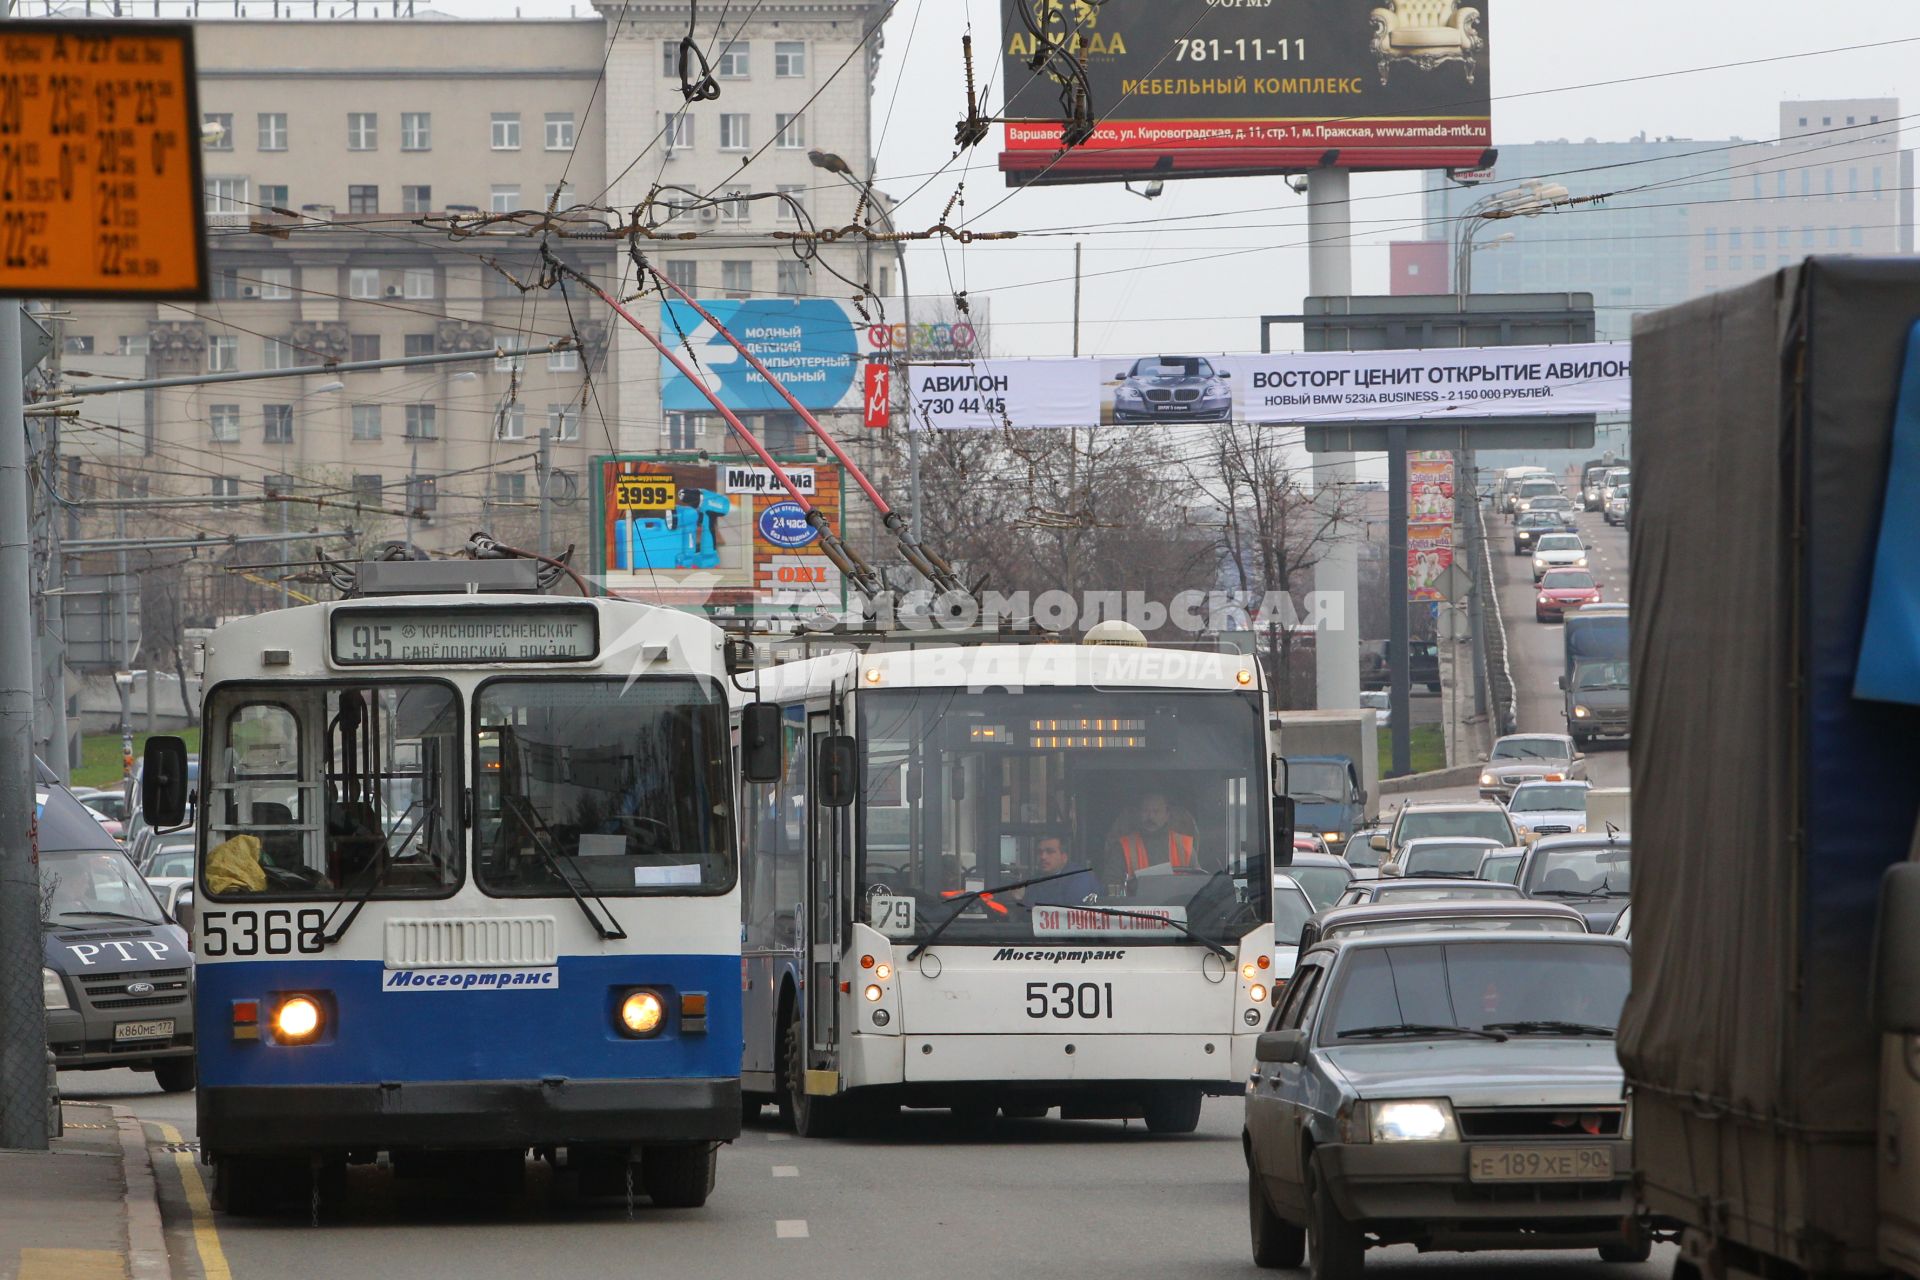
[[1139, 295]]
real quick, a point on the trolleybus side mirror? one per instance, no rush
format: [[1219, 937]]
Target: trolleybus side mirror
[[838, 766], [163, 781], [760, 742], [1896, 996], [1283, 831]]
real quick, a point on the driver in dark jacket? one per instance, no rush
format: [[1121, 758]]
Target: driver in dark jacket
[[1070, 890]]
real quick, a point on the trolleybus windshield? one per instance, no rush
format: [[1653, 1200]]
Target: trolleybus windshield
[[1155, 801], [617, 787]]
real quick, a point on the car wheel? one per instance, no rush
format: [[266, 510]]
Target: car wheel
[[813, 1116], [1336, 1248], [1638, 1247], [1173, 1110], [679, 1177], [1277, 1244], [175, 1075]]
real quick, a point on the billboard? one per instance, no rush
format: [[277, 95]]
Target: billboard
[[1429, 523], [1281, 388], [714, 534], [1203, 88]]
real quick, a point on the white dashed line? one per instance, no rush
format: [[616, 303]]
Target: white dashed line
[[786, 1171], [790, 1229]]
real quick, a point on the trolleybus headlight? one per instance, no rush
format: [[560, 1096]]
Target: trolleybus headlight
[[883, 972], [1258, 992], [872, 992], [296, 1020], [641, 1013]]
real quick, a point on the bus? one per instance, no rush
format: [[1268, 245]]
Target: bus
[[1004, 878], [466, 890]]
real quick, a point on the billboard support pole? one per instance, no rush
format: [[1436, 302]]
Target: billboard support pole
[[1399, 657], [1336, 577]]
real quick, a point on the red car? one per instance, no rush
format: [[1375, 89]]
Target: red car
[[1561, 590]]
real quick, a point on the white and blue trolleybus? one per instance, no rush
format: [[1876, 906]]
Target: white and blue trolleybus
[[466, 888]]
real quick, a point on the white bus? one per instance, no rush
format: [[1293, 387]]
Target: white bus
[[887, 962]]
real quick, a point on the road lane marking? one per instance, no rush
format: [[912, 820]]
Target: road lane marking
[[790, 1229], [779, 1137], [786, 1171], [206, 1238], [71, 1264]]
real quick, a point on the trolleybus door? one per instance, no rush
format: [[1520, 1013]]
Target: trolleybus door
[[826, 854]]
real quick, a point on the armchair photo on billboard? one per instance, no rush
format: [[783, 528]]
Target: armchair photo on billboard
[[714, 534]]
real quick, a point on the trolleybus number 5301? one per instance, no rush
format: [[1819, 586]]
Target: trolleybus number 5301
[[271, 933], [1069, 1000]]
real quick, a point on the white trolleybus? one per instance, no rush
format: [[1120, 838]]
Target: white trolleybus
[[1005, 878], [466, 889]]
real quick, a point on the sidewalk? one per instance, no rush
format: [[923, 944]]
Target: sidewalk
[[87, 1210]]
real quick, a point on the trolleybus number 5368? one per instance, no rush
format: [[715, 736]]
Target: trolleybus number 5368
[[273, 933], [1069, 1000]]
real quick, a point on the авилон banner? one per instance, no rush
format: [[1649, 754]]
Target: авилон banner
[[1289, 387]]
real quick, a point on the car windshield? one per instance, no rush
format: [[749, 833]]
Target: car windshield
[[1322, 884], [1157, 799], [1566, 580], [1317, 781], [1580, 871], [1487, 824], [1548, 797], [82, 886], [1538, 488], [1508, 985], [1388, 891], [1531, 749], [1359, 851], [1603, 675], [1560, 542], [1172, 367], [1552, 502], [1291, 908], [171, 862], [110, 803], [1538, 520], [1444, 858], [1503, 868], [611, 787]]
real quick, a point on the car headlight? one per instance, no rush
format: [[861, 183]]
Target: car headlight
[[1581, 828], [54, 990], [1544, 600], [297, 1020], [1421, 1120], [1214, 393], [1331, 836], [1581, 713], [1581, 562], [1486, 779], [1127, 393], [641, 1013]]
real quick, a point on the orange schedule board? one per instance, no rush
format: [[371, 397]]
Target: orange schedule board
[[99, 161]]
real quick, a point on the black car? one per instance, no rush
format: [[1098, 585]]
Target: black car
[[1590, 873], [1173, 389]]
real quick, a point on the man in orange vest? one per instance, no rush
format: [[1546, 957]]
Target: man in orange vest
[[1154, 841]]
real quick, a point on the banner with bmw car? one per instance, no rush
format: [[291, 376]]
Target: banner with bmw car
[[1288, 387]]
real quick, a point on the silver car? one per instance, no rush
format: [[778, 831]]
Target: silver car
[[1455, 1092], [1529, 757]]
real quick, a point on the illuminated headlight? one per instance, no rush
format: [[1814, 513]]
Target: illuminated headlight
[[1581, 713], [1580, 827], [1422, 1121], [872, 992], [1545, 600], [641, 1013], [1525, 536], [1581, 563], [1486, 779], [296, 1020], [1257, 993], [1332, 837], [54, 990]]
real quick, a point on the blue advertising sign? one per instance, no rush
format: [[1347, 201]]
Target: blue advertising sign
[[784, 524], [810, 344]]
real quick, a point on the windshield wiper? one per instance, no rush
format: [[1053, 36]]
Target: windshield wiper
[[369, 878], [1418, 1029], [1585, 895], [1552, 1026], [543, 840], [963, 900], [110, 915], [55, 924]]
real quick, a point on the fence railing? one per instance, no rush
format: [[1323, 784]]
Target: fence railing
[[1501, 697]]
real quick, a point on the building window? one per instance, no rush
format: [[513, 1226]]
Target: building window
[[508, 364], [734, 205], [510, 487], [789, 59], [1856, 237], [1833, 237], [363, 199], [1780, 237], [684, 430], [1736, 238], [790, 277], [420, 344], [736, 277], [277, 484], [563, 421], [273, 131], [505, 199], [363, 346], [421, 421], [134, 344], [1803, 122], [223, 421], [792, 202], [1713, 263], [1736, 263], [273, 195], [1876, 182], [416, 131], [1806, 237], [423, 494], [1780, 183], [670, 59], [216, 131], [506, 131], [559, 199], [559, 130], [363, 130], [733, 131], [225, 486], [223, 353], [1713, 238], [366, 422], [1853, 181], [363, 282], [226, 195], [732, 62], [684, 272], [563, 361], [511, 423], [416, 283], [280, 355], [279, 421], [791, 130], [679, 131], [416, 199], [367, 486], [274, 283]]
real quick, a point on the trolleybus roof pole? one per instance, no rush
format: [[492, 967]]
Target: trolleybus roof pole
[[932, 567], [844, 557]]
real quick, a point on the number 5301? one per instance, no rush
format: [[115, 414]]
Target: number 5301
[[1069, 1000]]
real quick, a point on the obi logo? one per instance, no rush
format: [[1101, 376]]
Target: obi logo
[[784, 524]]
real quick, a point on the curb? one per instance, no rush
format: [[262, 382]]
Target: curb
[[1458, 776], [146, 1239]]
